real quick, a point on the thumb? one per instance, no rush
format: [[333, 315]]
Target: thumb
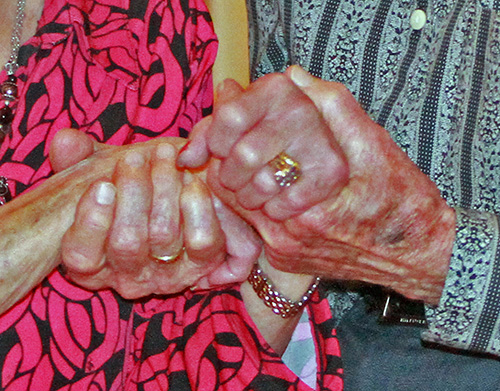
[[69, 147], [332, 99], [349, 123]]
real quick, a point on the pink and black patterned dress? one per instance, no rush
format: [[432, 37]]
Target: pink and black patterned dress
[[126, 71]]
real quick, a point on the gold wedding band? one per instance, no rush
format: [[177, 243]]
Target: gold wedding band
[[169, 258], [287, 169]]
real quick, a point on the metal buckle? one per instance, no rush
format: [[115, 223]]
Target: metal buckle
[[398, 310]]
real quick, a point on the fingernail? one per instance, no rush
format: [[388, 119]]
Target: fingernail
[[300, 77], [165, 151], [105, 194], [134, 159]]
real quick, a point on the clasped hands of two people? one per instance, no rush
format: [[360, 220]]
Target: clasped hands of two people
[[361, 210]]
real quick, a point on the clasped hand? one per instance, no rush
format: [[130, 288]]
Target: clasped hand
[[148, 209], [361, 209]]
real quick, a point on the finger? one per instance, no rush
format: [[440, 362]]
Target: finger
[[239, 111], [128, 245], [323, 173], [82, 247], [243, 247], [227, 89], [290, 123], [165, 235], [304, 136], [68, 147], [351, 126], [203, 237], [196, 152], [262, 188]]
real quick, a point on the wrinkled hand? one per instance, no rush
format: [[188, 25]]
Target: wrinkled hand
[[148, 208], [361, 209]]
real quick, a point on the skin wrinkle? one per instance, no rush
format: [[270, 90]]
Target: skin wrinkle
[[375, 270], [375, 264]]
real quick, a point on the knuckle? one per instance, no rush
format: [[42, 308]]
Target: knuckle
[[203, 243], [126, 244], [247, 155], [298, 201], [231, 114], [335, 93], [332, 170], [275, 82], [96, 221], [249, 203], [161, 234]]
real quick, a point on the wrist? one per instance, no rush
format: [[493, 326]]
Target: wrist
[[286, 294], [290, 285]]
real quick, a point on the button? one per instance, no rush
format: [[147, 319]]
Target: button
[[418, 19]]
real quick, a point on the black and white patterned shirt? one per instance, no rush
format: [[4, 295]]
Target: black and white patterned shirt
[[437, 91]]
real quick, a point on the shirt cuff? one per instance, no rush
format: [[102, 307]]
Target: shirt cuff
[[468, 315]]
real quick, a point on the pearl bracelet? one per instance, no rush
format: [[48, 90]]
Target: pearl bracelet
[[272, 298]]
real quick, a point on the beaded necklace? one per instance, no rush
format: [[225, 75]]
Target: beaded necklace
[[8, 89]]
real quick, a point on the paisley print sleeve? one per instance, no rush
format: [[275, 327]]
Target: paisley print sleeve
[[469, 311]]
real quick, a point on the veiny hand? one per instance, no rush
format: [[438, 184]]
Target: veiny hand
[[150, 210], [361, 209]]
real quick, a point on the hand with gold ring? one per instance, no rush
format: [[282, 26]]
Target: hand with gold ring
[[169, 258], [287, 170], [360, 210], [148, 209], [275, 154]]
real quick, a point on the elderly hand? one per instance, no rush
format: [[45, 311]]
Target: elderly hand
[[150, 212], [361, 210]]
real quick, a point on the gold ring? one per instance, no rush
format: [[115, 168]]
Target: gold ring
[[168, 258], [287, 169]]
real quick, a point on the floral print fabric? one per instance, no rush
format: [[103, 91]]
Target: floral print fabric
[[125, 71]]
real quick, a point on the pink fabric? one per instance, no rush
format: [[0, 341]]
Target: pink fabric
[[118, 71]]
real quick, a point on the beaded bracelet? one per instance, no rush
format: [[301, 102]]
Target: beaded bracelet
[[272, 298]]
